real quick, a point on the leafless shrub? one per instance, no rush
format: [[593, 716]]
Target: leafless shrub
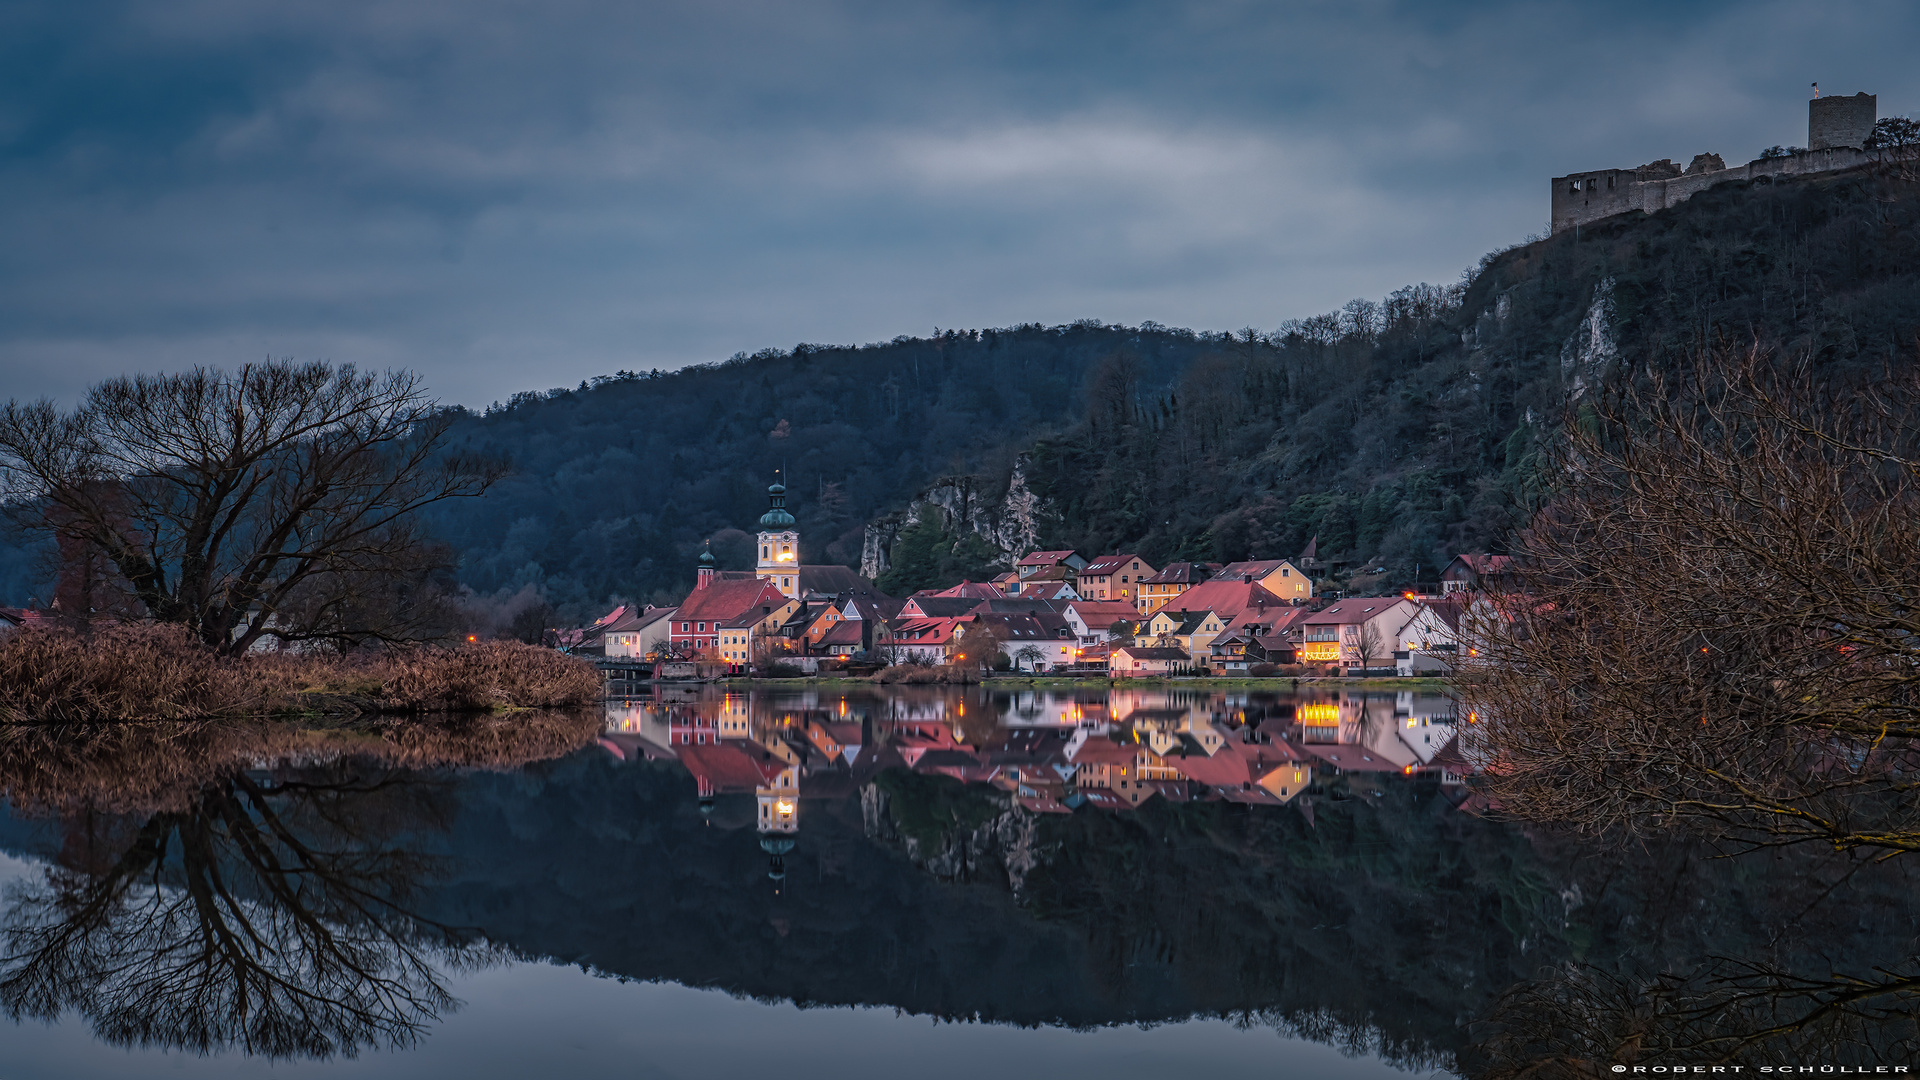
[[1716, 621], [127, 671], [140, 671], [485, 675]]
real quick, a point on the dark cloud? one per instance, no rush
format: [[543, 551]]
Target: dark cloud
[[520, 195]]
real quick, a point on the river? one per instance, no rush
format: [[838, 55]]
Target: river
[[870, 882]]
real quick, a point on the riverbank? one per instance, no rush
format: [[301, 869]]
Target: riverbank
[[141, 671]]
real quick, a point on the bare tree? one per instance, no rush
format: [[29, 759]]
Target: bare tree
[[233, 502], [1367, 646], [1715, 621]]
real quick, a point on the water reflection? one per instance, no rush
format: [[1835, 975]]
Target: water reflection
[[269, 914], [1051, 751], [1067, 859], [244, 885]]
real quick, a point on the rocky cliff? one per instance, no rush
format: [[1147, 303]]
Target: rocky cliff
[[1009, 521]]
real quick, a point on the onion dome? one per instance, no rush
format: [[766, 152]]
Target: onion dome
[[706, 560], [776, 516]]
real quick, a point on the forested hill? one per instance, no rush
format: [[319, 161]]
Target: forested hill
[[618, 482], [1398, 431]]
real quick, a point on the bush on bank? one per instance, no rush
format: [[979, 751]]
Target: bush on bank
[[160, 672]]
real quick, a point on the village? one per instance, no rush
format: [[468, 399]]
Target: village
[[1060, 613], [1046, 751]]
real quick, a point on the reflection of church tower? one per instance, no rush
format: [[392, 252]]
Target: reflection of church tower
[[779, 819], [779, 803], [779, 544]]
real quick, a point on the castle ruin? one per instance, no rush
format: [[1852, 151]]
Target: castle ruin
[[1837, 131]]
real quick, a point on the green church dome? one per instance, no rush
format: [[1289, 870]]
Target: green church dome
[[776, 516]]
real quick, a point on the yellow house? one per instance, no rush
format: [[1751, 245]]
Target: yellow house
[[1281, 577], [1113, 578], [736, 638], [1191, 631]]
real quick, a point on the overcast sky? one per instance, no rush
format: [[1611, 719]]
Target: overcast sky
[[515, 196]]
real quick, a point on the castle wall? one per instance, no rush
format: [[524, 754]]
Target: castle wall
[[1837, 129], [1607, 192], [1841, 121]]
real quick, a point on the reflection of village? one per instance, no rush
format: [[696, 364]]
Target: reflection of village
[[1051, 752]]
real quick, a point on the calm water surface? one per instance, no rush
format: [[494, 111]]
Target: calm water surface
[[811, 883]]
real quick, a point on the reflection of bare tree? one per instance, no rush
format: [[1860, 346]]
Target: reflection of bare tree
[[268, 915], [1583, 1019]]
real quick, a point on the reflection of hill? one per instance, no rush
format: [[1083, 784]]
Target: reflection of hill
[[1387, 919], [1392, 915], [1204, 908]]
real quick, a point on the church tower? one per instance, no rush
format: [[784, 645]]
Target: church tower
[[779, 544]]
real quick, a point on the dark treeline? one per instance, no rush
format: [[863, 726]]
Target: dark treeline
[[1399, 432]]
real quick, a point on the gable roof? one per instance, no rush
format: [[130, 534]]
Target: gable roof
[[1259, 568], [1233, 600], [978, 590], [936, 606], [1356, 609], [1481, 563], [1100, 614], [1181, 573], [1046, 558], [1107, 564], [728, 601], [1020, 605], [1146, 652]]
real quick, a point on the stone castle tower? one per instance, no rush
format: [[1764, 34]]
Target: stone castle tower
[[1841, 121]]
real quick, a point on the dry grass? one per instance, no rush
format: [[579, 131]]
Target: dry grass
[[484, 676], [158, 672], [916, 675]]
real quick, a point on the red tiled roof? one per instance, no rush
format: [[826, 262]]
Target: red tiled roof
[[730, 601], [1234, 601], [1101, 614], [844, 632]]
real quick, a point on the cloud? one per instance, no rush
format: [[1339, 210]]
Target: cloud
[[509, 195]]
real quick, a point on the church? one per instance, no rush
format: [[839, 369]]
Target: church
[[779, 558]]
